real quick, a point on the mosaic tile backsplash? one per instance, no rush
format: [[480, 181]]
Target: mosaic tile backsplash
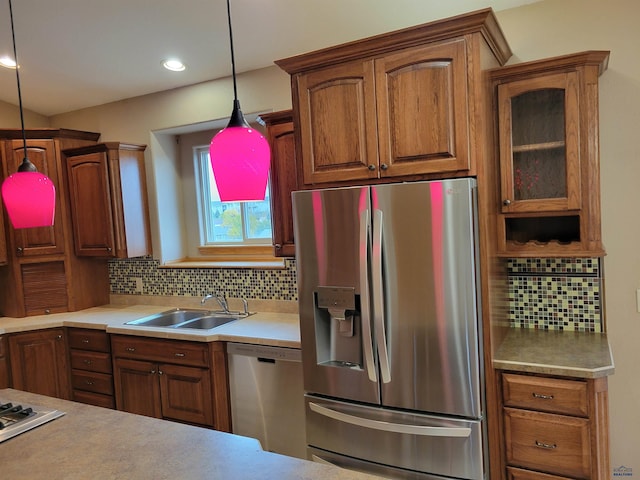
[[550, 293], [197, 282], [555, 293]]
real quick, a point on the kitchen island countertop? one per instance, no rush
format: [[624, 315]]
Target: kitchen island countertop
[[98, 443]]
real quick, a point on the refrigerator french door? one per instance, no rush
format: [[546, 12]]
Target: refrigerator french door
[[389, 319]]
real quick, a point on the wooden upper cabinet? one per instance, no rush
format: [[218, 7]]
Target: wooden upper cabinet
[[284, 179], [108, 200], [39, 240], [405, 105], [547, 113], [423, 110]]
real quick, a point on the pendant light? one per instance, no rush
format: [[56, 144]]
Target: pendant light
[[28, 195], [239, 154]]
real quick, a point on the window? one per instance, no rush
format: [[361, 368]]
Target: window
[[229, 223]]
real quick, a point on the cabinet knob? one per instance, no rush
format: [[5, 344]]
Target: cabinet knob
[[384, 166], [278, 246], [160, 372], [59, 337], [371, 167], [506, 202], [19, 251]]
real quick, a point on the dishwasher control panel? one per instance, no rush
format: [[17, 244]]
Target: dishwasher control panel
[[264, 351]]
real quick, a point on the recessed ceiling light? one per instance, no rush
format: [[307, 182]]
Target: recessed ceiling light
[[174, 65], [7, 62]]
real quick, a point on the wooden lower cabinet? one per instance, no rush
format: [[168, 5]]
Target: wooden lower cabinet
[[172, 379], [38, 362], [5, 379], [91, 367], [555, 428]]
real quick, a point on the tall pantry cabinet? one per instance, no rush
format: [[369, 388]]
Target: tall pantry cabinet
[[42, 274]]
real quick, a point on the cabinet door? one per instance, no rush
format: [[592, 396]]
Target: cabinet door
[[91, 206], [539, 132], [39, 363], [40, 240], [137, 387], [337, 123], [4, 364], [186, 394], [3, 241], [422, 110], [284, 180]]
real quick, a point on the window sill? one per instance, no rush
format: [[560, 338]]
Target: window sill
[[257, 257]]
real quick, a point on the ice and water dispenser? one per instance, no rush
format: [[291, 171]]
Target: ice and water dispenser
[[337, 326]]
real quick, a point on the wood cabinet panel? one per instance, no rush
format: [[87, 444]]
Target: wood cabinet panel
[[88, 339], [5, 374], [92, 381], [44, 287], [284, 179], [186, 393], [545, 394], [97, 399], [91, 361], [521, 474], [423, 110], [554, 443], [136, 387], [174, 351], [336, 110], [39, 362], [40, 240], [108, 200]]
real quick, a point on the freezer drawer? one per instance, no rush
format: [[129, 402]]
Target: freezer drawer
[[432, 445]]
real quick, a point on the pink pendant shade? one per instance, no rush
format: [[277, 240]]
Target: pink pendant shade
[[30, 199], [240, 159]]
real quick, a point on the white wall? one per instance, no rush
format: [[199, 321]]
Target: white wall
[[539, 30]]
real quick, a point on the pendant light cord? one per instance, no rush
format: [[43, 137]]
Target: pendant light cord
[[233, 59], [26, 165]]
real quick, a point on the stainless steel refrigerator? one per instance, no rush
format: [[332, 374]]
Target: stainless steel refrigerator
[[390, 329]]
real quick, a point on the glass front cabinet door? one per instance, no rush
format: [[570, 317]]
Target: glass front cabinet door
[[549, 156]]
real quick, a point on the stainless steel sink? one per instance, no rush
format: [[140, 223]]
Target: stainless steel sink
[[169, 318], [189, 318], [209, 321]]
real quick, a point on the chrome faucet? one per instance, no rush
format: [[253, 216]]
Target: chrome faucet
[[220, 298]]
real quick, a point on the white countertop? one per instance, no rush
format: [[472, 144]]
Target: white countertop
[[268, 328]]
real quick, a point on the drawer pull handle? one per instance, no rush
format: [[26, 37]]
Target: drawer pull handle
[[130, 349], [548, 446], [88, 362], [89, 382], [542, 396], [180, 355], [85, 340]]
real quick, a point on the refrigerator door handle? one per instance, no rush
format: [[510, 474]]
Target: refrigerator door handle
[[367, 341], [423, 430], [378, 298]]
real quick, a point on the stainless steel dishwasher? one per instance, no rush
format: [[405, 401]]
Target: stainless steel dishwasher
[[267, 396]]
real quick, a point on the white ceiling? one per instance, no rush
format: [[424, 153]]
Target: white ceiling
[[81, 53]]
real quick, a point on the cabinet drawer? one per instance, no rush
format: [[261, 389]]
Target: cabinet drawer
[[92, 382], [87, 339], [170, 351], [97, 399], [545, 394], [91, 361], [543, 441], [520, 474]]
